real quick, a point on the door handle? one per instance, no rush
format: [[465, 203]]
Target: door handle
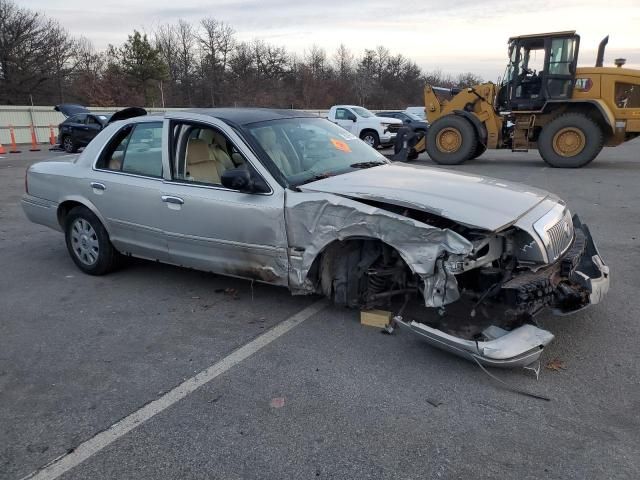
[[170, 199], [98, 186]]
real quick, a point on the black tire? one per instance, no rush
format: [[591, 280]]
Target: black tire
[[480, 149], [581, 127], [106, 256], [69, 144], [463, 148], [371, 138]]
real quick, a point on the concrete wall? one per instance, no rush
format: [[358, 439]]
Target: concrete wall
[[20, 117]]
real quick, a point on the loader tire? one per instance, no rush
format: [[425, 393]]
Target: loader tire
[[480, 149], [571, 140], [451, 140]]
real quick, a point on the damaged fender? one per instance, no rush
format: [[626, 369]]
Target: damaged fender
[[316, 220]]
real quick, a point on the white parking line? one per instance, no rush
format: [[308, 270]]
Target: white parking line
[[92, 446]]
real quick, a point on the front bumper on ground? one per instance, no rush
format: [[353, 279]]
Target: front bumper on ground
[[577, 280]]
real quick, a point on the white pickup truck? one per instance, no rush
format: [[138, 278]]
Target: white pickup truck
[[364, 124]]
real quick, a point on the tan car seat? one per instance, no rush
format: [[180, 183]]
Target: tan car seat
[[200, 166], [217, 146], [268, 141]]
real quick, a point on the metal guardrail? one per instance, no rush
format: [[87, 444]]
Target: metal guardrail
[[42, 117]]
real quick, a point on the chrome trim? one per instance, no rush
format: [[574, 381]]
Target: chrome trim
[[172, 199], [555, 229]]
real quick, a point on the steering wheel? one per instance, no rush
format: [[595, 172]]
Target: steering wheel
[[528, 71]]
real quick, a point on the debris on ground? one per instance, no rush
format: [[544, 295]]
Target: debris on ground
[[375, 318], [232, 292], [556, 365], [277, 402], [433, 402]]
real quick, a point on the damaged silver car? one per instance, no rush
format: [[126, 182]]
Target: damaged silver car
[[290, 199]]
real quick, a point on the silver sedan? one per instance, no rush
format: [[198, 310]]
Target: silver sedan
[[290, 199]]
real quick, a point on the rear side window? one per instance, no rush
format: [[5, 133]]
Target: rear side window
[[135, 149], [81, 118]]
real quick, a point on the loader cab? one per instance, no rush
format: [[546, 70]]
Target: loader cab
[[541, 67]]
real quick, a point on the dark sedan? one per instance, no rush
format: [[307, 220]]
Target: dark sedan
[[416, 122]]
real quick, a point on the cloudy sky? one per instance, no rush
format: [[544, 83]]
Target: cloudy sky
[[452, 36]]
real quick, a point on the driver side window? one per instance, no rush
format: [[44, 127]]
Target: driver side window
[[344, 114], [201, 154]]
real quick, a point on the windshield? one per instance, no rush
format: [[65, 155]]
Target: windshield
[[413, 116], [363, 112], [306, 149]]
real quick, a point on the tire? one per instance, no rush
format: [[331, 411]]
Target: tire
[[88, 242], [451, 140], [371, 138], [571, 140], [480, 149], [69, 145]]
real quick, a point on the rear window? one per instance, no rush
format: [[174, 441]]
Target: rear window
[[135, 149]]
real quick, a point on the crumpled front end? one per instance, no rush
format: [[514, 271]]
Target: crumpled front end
[[483, 287], [577, 279]]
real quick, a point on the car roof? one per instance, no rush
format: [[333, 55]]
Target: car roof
[[245, 116]]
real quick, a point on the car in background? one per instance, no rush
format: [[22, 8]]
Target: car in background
[[416, 122], [80, 127], [375, 131], [417, 111]]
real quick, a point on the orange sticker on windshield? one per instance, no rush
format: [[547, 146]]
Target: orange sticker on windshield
[[340, 145]]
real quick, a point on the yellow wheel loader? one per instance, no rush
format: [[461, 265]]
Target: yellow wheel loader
[[567, 113]]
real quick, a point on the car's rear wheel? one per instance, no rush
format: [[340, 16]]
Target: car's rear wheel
[[451, 140], [69, 145], [571, 140], [88, 242], [371, 138]]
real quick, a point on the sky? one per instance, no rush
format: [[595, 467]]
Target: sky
[[452, 36]]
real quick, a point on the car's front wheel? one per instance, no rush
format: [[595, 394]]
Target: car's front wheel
[[88, 242], [69, 145]]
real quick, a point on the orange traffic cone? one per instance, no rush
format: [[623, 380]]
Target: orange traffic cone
[[14, 147], [52, 137], [2, 150], [34, 142]]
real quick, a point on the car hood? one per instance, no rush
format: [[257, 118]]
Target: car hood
[[472, 200], [70, 109], [385, 119]]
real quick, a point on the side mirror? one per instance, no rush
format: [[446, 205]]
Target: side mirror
[[240, 179], [353, 119], [407, 120]]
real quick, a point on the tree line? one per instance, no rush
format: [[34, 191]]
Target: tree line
[[200, 64]]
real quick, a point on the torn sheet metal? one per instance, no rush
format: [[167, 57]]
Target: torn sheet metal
[[520, 347], [315, 220]]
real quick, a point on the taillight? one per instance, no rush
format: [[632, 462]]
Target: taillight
[[583, 84]]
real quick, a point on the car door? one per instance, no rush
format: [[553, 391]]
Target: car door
[[346, 119], [214, 228], [74, 126], [126, 188], [91, 129]]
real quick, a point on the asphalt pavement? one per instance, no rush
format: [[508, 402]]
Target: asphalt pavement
[[328, 398]]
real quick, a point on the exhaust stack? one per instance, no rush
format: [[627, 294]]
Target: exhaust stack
[[601, 47]]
